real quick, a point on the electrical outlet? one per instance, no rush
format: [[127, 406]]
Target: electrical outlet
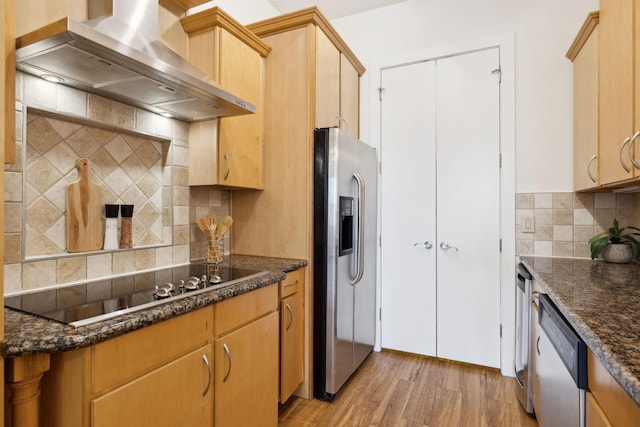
[[528, 224]]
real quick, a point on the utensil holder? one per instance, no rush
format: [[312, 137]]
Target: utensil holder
[[215, 247]]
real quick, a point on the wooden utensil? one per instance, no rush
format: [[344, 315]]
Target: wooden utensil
[[225, 226], [84, 212]]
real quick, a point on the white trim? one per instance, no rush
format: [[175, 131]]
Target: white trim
[[506, 43]]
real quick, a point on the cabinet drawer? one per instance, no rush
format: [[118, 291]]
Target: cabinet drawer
[[234, 312], [292, 283], [130, 355], [616, 404]]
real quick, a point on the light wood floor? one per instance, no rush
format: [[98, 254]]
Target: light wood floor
[[398, 389]]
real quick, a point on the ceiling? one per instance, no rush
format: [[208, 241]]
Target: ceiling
[[332, 9]]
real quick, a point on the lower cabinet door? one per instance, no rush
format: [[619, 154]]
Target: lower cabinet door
[[291, 345], [177, 394], [246, 375], [594, 415]]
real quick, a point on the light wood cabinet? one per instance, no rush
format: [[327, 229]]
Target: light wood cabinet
[[291, 333], [584, 55], [161, 372], [609, 403], [594, 417], [616, 80], [227, 152], [178, 393], [297, 97], [337, 88], [246, 361]]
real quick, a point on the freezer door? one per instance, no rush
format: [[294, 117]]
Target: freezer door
[[365, 288], [340, 268]]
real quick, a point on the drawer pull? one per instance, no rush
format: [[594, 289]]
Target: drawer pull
[[228, 355], [290, 316], [206, 363], [286, 285]]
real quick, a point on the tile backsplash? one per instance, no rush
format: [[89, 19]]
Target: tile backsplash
[[137, 157], [128, 168], [563, 223]]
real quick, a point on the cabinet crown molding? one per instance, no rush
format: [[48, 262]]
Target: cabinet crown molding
[[302, 18], [216, 17], [583, 35]]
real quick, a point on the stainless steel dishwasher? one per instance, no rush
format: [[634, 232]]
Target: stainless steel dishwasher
[[562, 370], [523, 368]]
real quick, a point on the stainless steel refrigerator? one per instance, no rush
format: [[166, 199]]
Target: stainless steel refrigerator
[[344, 268]]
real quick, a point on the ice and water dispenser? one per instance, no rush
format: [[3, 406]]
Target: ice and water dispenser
[[346, 225]]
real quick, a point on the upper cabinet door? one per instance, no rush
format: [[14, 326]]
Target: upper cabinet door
[[616, 97], [327, 82], [240, 154], [228, 152], [584, 55], [349, 97]]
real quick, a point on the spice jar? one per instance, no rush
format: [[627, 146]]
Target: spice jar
[[126, 212]]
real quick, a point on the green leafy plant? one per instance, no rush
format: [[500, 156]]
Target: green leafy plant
[[614, 235]]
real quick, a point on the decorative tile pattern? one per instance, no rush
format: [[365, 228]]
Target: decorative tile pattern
[[564, 222], [128, 168]]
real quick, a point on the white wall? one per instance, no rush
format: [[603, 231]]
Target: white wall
[[543, 31]]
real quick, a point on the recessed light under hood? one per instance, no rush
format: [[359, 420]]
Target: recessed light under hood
[[120, 57]]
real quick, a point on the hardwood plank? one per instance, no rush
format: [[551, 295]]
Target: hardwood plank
[[400, 389]]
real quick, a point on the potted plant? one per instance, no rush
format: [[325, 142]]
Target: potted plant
[[616, 244]]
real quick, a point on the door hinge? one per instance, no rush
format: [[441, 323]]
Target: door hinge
[[500, 160], [500, 330], [380, 315], [380, 168], [500, 245], [380, 240], [498, 72], [381, 90]]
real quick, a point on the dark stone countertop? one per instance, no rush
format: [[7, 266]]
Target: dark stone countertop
[[30, 334], [601, 301]]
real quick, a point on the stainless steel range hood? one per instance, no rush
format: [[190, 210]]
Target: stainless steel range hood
[[120, 57]]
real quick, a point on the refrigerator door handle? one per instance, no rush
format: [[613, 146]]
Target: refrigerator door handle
[[360, 240]]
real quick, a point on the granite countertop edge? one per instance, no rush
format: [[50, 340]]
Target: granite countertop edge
[[27, 334], [603, 351]]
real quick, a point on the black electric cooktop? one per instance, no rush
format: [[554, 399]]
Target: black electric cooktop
[[141, 291]]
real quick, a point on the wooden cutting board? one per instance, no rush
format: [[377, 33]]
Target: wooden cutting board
[[84, 212]]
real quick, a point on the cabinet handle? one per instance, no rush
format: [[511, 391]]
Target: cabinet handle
[[228, 159], [290, 316], [589, 168], [633, 139], [206, 362], [286, 285], [538, 345], [624, 166], [228, 355]]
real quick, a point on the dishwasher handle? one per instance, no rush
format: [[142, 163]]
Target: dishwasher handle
[[571, 349]]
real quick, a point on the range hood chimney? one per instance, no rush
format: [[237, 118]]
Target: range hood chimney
[[120, 57]]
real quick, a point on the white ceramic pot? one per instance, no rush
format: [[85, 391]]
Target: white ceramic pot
[[620, 253]]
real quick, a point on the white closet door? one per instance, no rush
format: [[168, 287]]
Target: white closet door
[[408, 272], [468, 190]]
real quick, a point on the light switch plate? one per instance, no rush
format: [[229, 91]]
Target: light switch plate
[[528, 224]]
